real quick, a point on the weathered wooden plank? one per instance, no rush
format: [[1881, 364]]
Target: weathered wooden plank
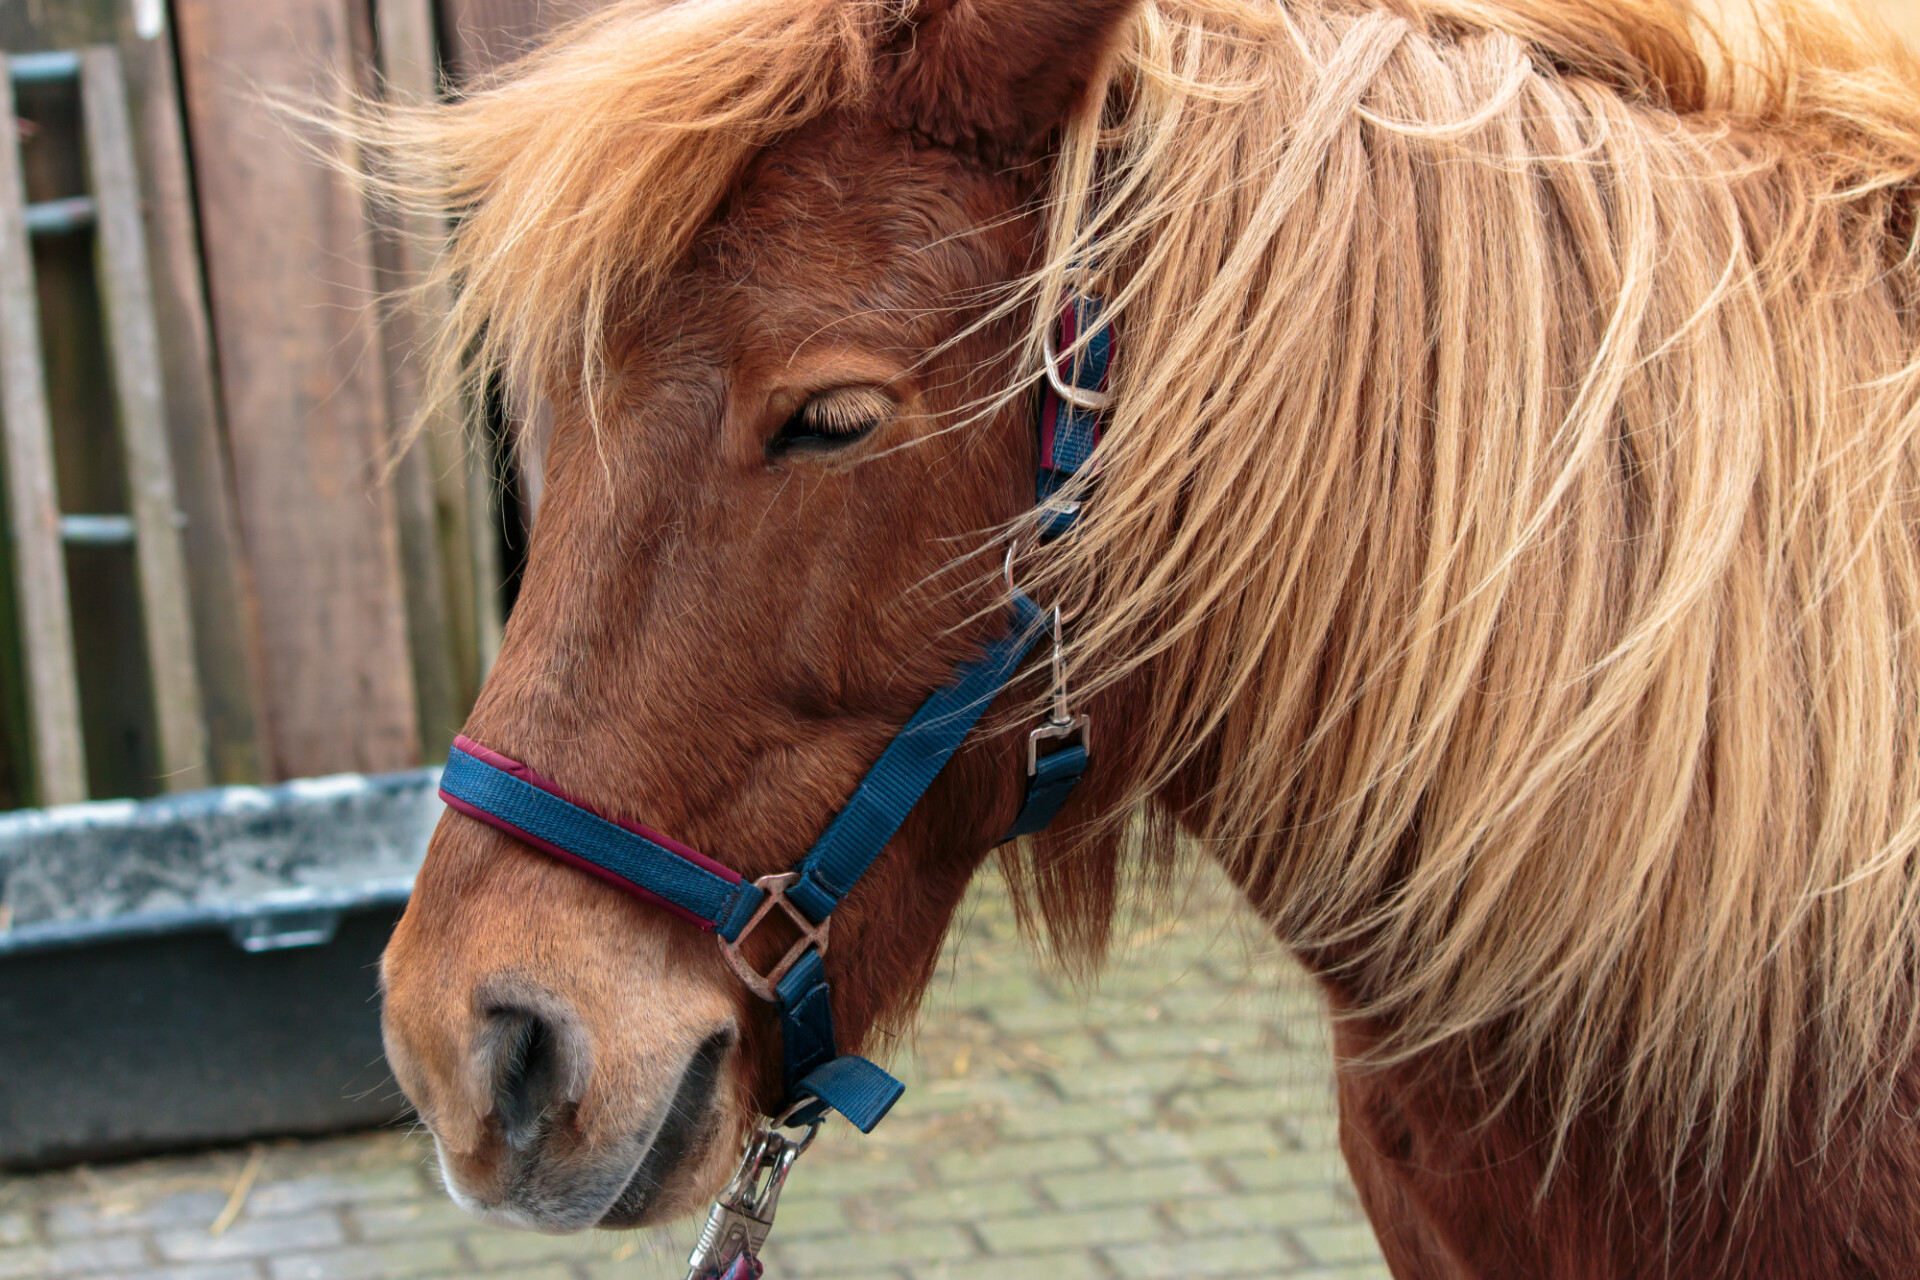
[[225, 635], [430, 628], [456, 466], [134, 349], [53, 693], [290, 279]]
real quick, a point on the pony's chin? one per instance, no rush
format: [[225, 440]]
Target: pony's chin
[[644, 1203], [654, 1176], [652, 1195]]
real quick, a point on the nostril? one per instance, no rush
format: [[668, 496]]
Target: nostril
[[528, 1074]]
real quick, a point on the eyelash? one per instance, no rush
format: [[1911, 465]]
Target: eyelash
[[830, 421]]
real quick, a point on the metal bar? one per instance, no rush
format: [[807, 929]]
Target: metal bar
[[134, 346], [42, 68], [46, 623], [237, 919], [96, 531], [58, 217]]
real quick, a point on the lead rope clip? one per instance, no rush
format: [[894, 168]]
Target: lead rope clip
[[742, 1215]]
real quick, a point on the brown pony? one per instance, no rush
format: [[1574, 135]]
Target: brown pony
[[1504, 558]]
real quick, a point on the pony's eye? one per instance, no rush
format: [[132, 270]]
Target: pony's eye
[[832, 420]]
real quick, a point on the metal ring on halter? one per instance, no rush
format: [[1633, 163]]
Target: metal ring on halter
[[1078, 397], [783, 1121]]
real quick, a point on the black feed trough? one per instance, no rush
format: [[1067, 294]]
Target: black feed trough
[[200, 968]]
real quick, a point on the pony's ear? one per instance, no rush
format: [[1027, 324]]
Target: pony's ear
[[997, 75]]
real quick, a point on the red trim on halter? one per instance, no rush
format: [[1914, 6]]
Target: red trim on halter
[[1054, 406], [528, 775], [533, 778]]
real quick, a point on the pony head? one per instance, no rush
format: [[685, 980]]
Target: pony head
[[1502, 555], [756, 257]]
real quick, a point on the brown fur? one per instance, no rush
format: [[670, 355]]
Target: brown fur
[[1502, 556]]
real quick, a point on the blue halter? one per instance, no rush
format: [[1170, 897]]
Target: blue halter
[[509, 796]]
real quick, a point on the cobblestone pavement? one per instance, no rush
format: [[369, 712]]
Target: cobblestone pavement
[[1173, 1121]]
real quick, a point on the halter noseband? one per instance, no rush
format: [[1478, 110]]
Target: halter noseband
[[503, 793]]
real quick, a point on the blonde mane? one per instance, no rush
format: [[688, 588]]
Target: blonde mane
[[1511, 491]]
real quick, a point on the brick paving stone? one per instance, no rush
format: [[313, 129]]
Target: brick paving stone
[[1352, 1242], [1100, 1081], [906, 1246], [1059, 1049], [1202, 1004], [670, 1265], [1012, 1159], [114, 1253], [410, 1219], [516, 1248], [1093, 1228], [1251, 1144], [263, 1237], [247, 1269], [1241, 1102], [1314, 1128], [990, 991], [391, 1261], [1251, 1254], [85, 1219], [330, 1190], [633, 1255], [835, 1178], [1041, 1016], [1273, 1172], [1171, 1040], [1276, 1209], [1175, 1122], [811, 1216], [1113, 1115], [1004, 1198], [1072, 1265], [936, 1096], [1154, 1184]]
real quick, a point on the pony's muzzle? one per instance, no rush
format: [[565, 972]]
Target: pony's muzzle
[[573, 1070], [554, 1148]]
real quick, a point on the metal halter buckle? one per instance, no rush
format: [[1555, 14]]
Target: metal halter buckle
[[1061, 726], [742, 1215], [812, 935]]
